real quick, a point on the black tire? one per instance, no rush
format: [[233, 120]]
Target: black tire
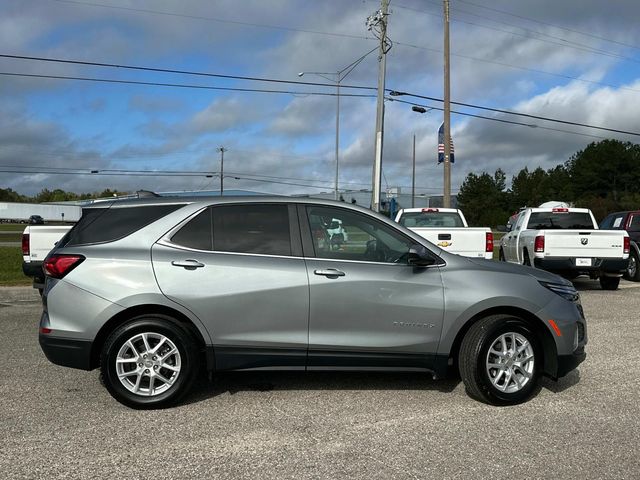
[[609, 283], [526, 260], [186, 361], [474, 356], [633, 271], [501, 255]]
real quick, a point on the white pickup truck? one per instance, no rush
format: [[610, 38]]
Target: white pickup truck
[[567, 241], [447, 228], [37, 242]]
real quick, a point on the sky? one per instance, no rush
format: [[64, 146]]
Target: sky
[[576, 61]]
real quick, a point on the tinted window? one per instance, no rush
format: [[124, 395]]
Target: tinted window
[[197, 233], [344, 235], [99, 225], [557, 220], [634, 223], [252, 229]]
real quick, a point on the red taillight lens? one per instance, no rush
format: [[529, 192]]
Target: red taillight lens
[[538, 244], [626, 245], [25, 244], [57, 266], [488, 242]]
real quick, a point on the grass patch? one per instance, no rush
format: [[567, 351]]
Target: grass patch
[[12, 227], [11, 237], [11, 267]]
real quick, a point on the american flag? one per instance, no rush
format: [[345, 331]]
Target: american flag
[[441, 146]]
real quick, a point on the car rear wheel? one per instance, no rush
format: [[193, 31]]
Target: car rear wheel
[[609, 283], [149, 362], [500, 360], [526, 260]]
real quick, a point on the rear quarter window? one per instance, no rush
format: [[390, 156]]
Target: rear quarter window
[[101, 225]]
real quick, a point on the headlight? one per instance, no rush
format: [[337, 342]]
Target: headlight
[[568, 292]]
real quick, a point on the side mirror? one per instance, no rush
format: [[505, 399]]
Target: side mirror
[[419, 256]]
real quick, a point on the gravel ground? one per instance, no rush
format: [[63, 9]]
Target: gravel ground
[[60, 423]]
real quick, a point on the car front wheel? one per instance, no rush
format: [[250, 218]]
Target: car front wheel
[[500, 360], [149, 362]]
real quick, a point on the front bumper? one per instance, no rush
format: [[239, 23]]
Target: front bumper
[[566, 264], [66, 352], [566, 363]]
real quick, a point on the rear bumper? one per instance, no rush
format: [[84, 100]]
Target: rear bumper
[[67, 352], [564, 264], [33, 269]]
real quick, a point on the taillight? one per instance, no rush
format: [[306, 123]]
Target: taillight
[[626, 245], [57, 266], [488, 243], [25, 244], [538, 244]]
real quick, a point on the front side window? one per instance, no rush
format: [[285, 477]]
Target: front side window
[[344, 235]]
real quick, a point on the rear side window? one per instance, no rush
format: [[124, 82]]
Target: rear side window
[[262, 229], [100, 225], [252, 229]]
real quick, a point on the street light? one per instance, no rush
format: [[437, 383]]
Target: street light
[[418, 109], [337, 77]]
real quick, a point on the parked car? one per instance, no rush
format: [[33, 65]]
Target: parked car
[[567, 241], [630, 222], [151, 290], [448, 229], [36, 220]]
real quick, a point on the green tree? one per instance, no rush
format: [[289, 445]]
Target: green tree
[[483, 199]]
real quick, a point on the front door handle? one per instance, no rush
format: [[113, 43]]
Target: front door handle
[[329, 272], [188, 264]]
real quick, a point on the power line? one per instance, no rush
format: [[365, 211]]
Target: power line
[[180, 85], [195, 17], [565, 42], [175, 71], [217, 20], [551, 25], [527, 115], [235, 89], [501, 120], [167, 173]]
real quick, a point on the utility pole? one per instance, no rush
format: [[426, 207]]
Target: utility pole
[[446, 199], [413, 176], [377, 23], [222, 150]]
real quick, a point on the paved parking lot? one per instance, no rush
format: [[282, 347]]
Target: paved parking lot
[[60, 423]]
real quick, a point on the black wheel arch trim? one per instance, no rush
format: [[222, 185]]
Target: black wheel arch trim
[[549, 349]]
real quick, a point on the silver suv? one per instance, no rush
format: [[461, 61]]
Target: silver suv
[[151, 290]]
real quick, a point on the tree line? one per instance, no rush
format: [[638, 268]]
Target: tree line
[[604, 177], [57, 195]]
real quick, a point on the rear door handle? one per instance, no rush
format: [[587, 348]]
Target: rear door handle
[[188, 264], [329, 272]]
